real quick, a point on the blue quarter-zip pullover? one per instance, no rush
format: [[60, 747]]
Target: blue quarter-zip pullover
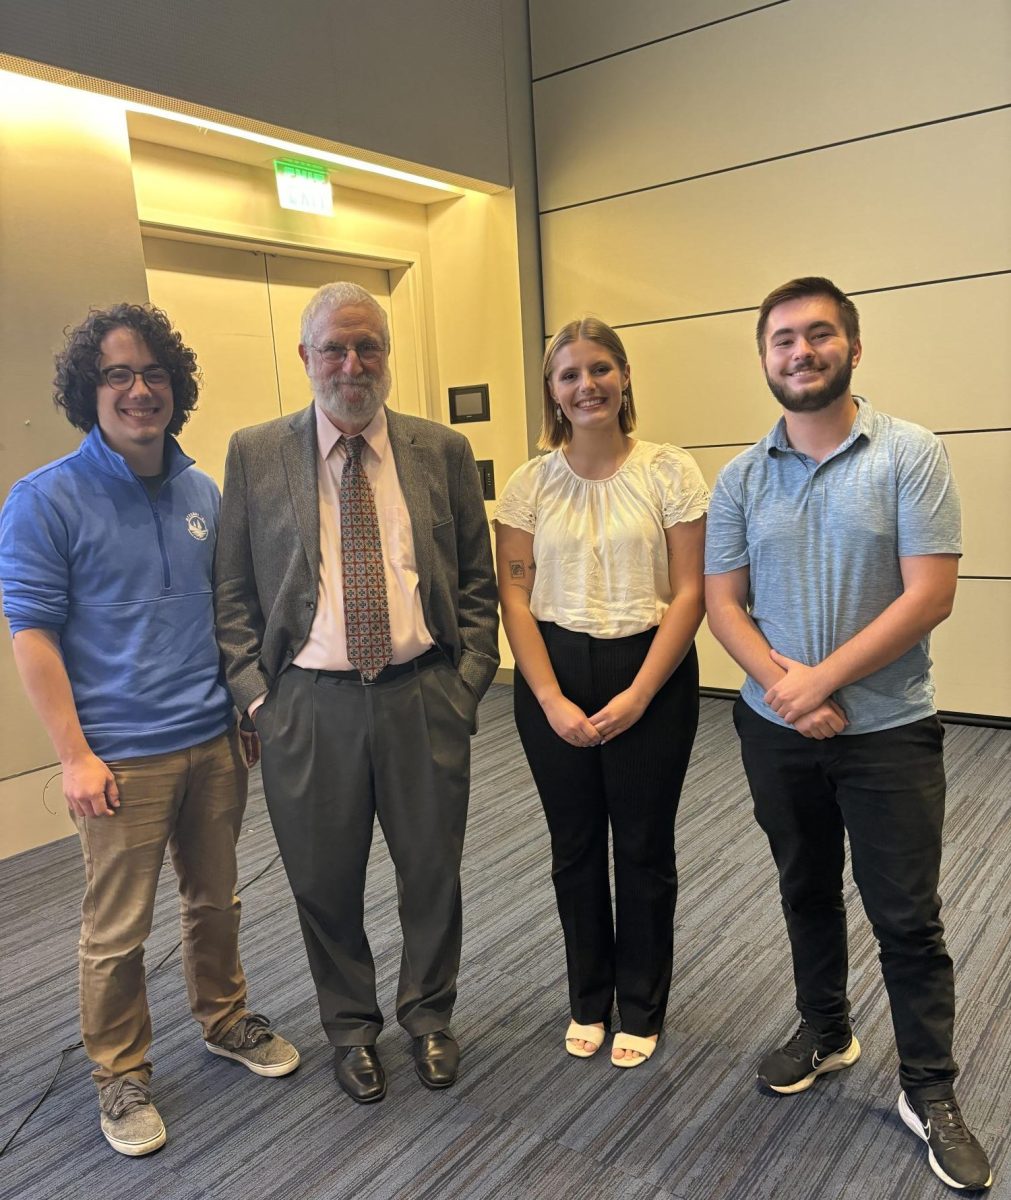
[[126, 583]]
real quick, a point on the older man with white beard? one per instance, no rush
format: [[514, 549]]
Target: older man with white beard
[[356, 613]]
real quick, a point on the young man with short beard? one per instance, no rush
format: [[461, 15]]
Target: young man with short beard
[[832, 552], [106, 558]]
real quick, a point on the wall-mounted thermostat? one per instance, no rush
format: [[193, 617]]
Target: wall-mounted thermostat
[[469, 404], [486, 469]]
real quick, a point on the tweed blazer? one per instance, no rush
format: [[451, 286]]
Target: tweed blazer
[[266, 568]]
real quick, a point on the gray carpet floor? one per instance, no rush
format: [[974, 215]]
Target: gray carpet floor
[[525, 1119]]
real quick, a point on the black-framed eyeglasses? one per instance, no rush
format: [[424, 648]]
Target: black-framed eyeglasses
[[334, 354], [122, 378]]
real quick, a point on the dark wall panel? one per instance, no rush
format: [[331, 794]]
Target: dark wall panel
[[424, 82]]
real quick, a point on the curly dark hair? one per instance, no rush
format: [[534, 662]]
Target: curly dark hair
[[77, 375]]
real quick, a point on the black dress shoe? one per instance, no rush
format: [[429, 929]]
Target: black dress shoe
[[360, 1073], [437, 1058]]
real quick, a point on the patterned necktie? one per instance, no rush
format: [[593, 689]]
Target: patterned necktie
[[366, 612]]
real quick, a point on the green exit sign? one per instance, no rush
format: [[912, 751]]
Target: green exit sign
[[303, 187]]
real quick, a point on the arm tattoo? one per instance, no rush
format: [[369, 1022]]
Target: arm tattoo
[[518, 575]]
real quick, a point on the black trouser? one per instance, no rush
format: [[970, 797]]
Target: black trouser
[[337, 754], [635, 782], [886, 791]]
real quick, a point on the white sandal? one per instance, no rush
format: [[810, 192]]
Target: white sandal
[[628, 1041], [584, 1033]]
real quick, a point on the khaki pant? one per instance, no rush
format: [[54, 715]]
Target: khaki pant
[[192, 801]]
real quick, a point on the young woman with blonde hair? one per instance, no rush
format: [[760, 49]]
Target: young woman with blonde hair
[[600, 550]]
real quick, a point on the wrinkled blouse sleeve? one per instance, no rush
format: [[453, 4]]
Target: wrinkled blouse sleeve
[[682, 492], [517, 506]]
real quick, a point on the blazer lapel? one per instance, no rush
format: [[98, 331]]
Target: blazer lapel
[[298, 451], [414, 483]]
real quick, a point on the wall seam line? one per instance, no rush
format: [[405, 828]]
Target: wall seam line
[[890, 287], [773, 158], [666, 37]]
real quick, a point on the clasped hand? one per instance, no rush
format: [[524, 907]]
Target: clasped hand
[[573, 726], [802, 700]]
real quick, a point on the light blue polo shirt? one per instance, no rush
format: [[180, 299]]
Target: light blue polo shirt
[[823, 543]]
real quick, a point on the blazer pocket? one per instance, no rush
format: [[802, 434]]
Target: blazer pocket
[[444, 540]]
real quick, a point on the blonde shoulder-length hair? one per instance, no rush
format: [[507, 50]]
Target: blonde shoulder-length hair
[[556, 429]]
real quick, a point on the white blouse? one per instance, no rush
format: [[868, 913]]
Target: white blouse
[[599, 544]]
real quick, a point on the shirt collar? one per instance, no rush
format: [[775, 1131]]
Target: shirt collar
[[376, 433], [863, 426]]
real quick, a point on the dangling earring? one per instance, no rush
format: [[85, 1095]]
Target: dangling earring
[[624, 401], [558, 414]]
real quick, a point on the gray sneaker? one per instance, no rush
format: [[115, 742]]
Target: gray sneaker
[[251, 1043], [130, 1121]]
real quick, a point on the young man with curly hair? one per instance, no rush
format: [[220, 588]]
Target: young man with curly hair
[[105, 560]]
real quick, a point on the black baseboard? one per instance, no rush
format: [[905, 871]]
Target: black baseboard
[[990, 721]]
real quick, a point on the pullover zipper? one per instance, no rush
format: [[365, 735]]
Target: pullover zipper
[[166, 570]]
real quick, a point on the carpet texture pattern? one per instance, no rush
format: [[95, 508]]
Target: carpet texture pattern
[[525, 1119]]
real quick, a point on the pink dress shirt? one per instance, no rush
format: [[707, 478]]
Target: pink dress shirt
[[326, 647]]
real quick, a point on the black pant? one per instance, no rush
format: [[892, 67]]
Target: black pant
[[635, 782], [886, 790], [337, 754]]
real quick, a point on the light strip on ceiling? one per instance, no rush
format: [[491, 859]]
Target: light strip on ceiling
[[338, 160]]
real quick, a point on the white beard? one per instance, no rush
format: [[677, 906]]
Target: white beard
[[352, 403]]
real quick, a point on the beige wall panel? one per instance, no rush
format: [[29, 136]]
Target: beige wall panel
[[716, 668], [477, 326], [63, 249], [217, 297], [700, 103], [34, 810], [922, 359], [699, 382], [64, 246], [972, 650], [711, 459], [292, 283], [476, 307], [982, 466], [868, 215], [566, 32]]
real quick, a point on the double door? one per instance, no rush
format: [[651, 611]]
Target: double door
[[240, 310]]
